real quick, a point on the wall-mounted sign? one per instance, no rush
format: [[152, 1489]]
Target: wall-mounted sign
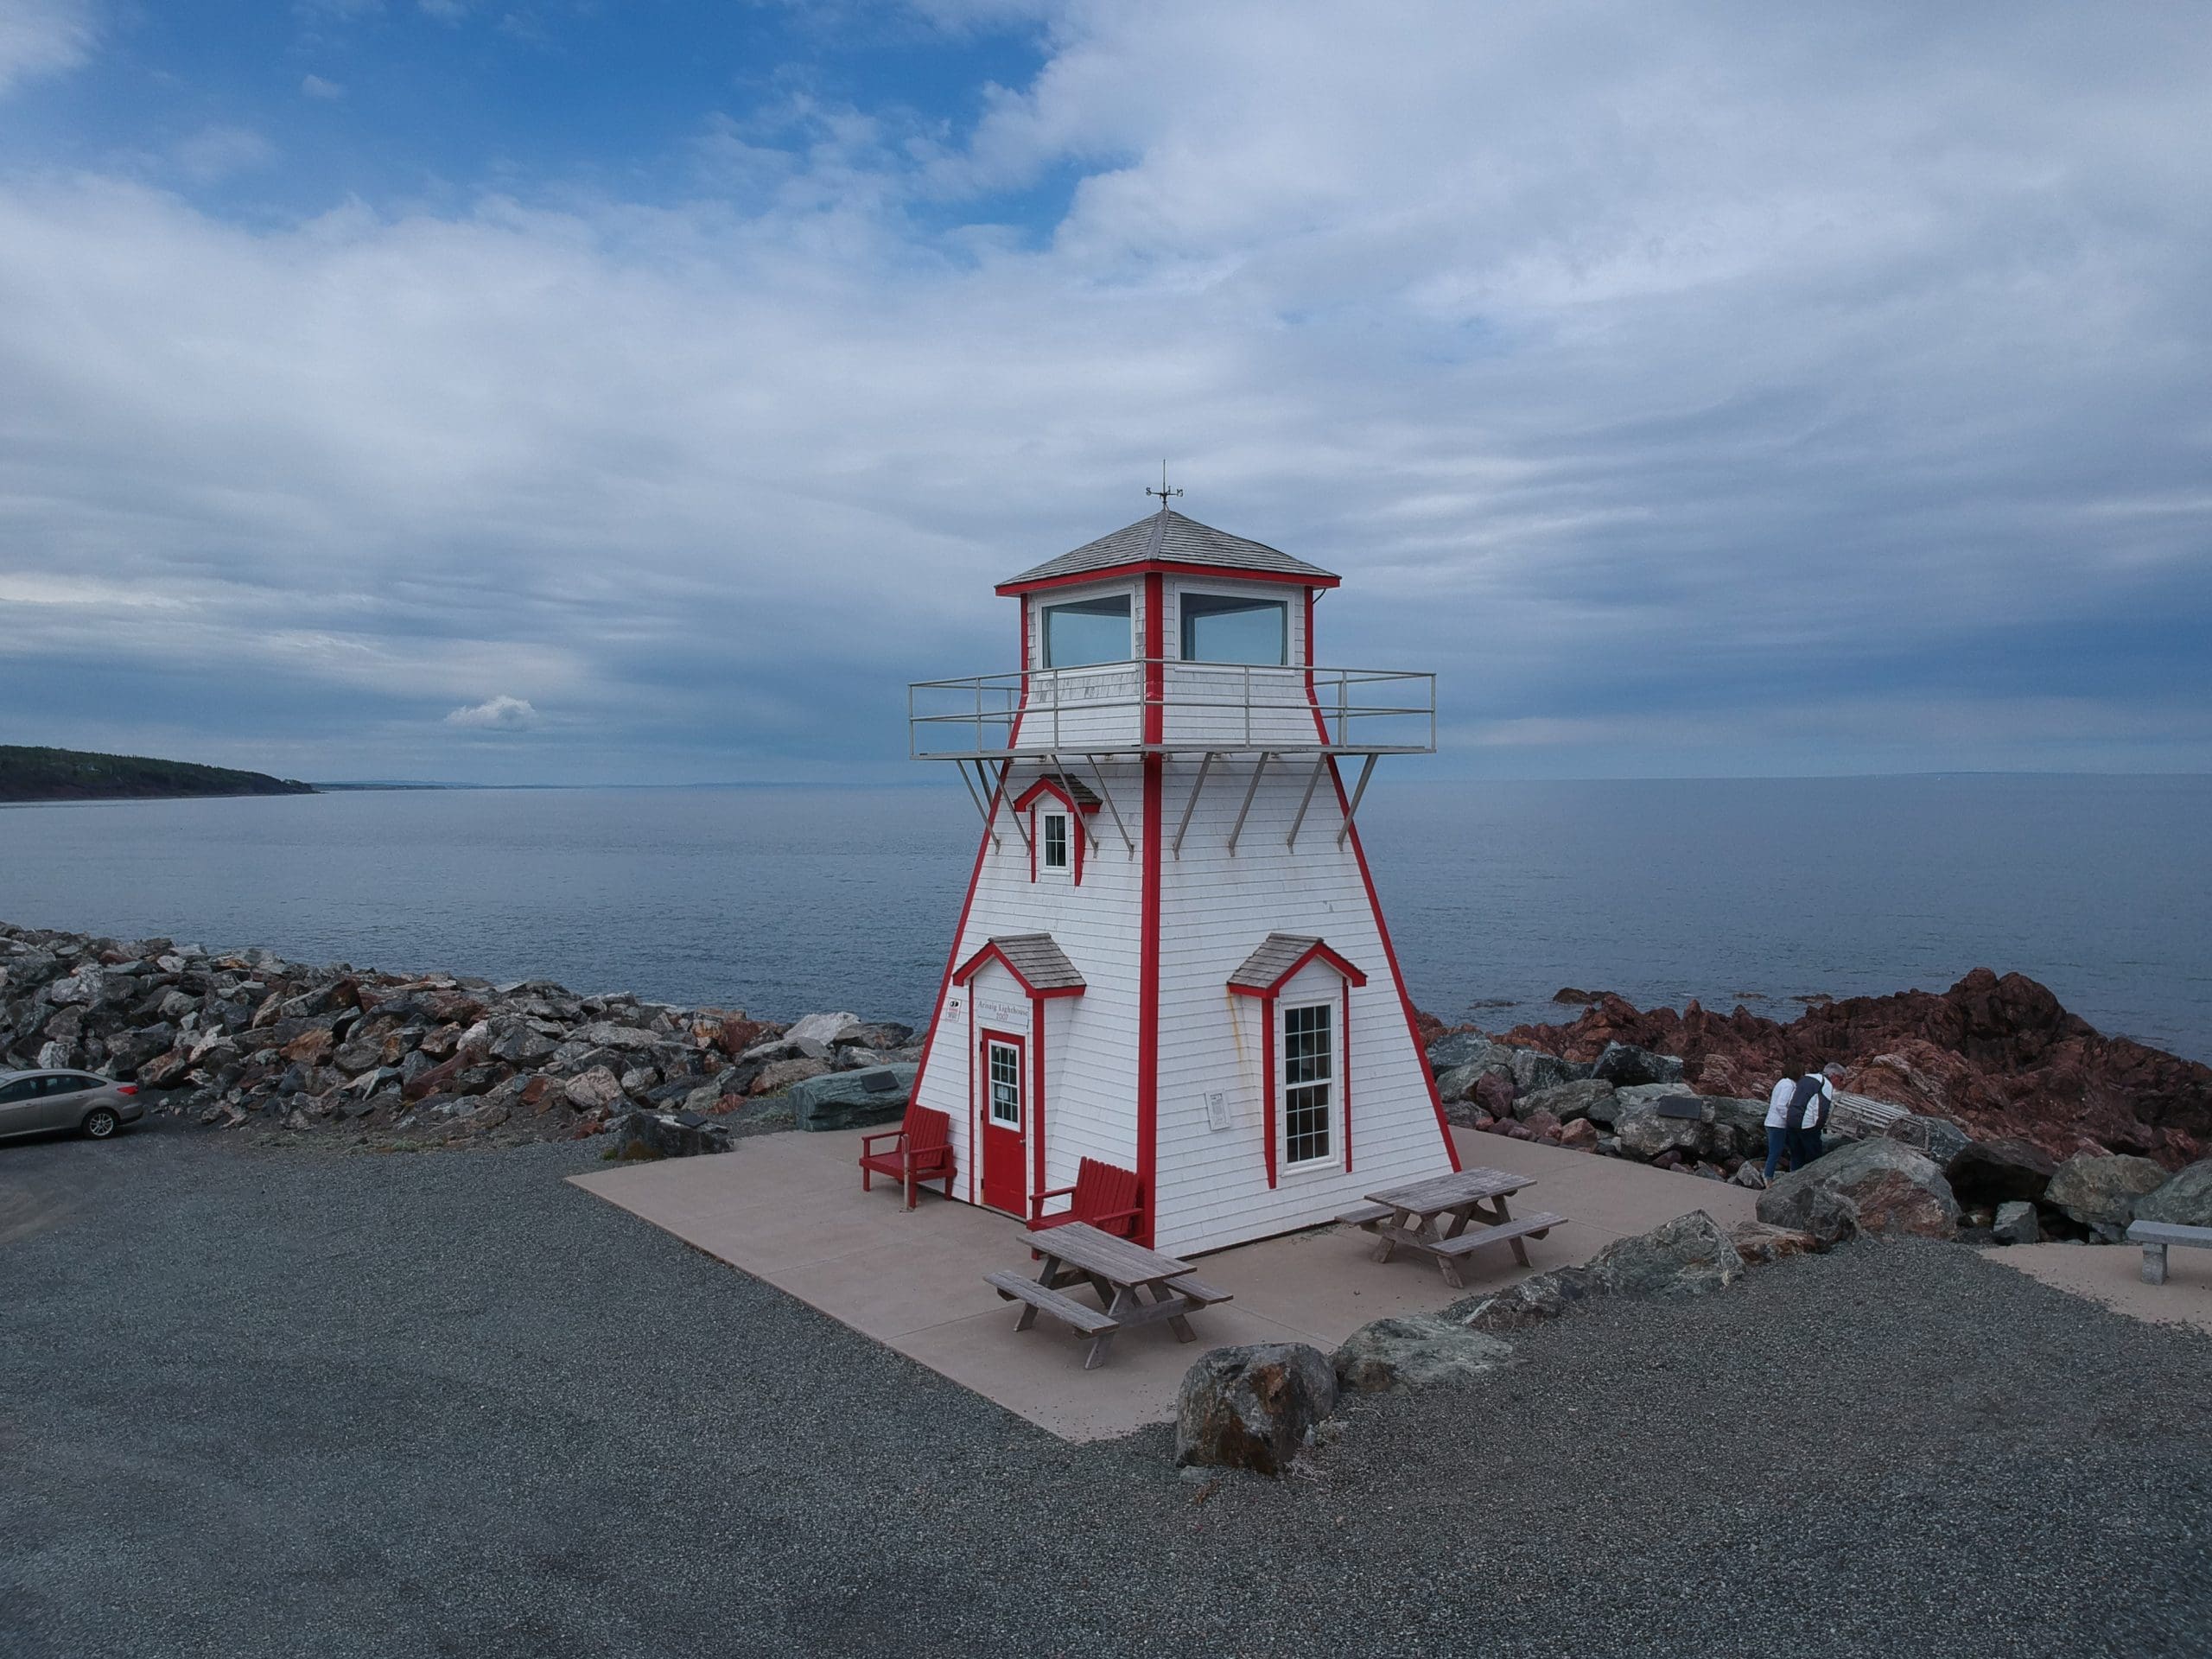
[[1218, 1117], [1003, 1013]]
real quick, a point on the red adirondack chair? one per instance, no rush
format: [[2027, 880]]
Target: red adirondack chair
[[1103, 1195], [920, 1151]]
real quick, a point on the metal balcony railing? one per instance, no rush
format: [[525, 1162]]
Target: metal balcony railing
[[1216, 708]]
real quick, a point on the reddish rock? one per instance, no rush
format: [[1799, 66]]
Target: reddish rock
[[738, 1033], [1430, 1028], [309, 1046], [434, 1081], [1542, 1124], [1494, 1093], [1581, 1134], [1998, 1053]]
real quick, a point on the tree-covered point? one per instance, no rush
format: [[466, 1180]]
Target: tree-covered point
[[27, 774]]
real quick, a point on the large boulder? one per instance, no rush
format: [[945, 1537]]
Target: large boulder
[[823, 1028], [1397, 1356], [1254, 1407], [1569, 1102], [1875, 1188], [2016, 1223], [2184, 1201], [644, 1135], [845, 1100], [1625, 1066], [1939, 1137], [1759, 1243], [1689, 1256], [1986, 1174], [1645, 1132], [1459, 1082], [2100, 1192], [1465, 1048]]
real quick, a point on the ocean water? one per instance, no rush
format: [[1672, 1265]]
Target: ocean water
[[784, 900]]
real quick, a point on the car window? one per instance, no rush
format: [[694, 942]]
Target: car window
[[65, 1085], [22, 1088]]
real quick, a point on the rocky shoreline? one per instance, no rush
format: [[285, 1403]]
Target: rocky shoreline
[[247, 1040]]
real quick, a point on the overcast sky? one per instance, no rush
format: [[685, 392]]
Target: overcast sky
[[572, 392]]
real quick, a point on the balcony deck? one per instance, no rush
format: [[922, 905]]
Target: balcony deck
[[1204, 708]]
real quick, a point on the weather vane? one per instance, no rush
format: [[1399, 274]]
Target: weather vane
[[1163, 492]]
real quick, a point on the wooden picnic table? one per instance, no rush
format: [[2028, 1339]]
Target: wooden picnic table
[[1432, 1217], [1122, 1273]]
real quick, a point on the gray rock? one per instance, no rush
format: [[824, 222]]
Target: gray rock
[[1758, 1243], [519, 1044], [2101, 1191], [823, 1028], [844, 1100], [1589, 1098], [605, 1033], [1942, 1139], [1539, 1297], [778, 1049], [643, 1134], [1397, 1356], [1875, 1188], [1459, 1082], [779, 1075], [2183, 1201], [593, 1091], [1625, 1066], [1986, 1174], [1464, 1048], [1689, 1256], [1254, 1407], [1533, 1069], [2016, 1223], [1645, 1133]]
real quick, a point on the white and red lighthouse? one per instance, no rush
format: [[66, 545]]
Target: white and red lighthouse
[[1171, 958]]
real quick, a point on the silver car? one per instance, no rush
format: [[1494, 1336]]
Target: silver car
[[32, 1101]]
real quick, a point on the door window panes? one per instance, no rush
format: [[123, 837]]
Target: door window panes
[[1005, 1085], [1217, 628], [1087, 631]]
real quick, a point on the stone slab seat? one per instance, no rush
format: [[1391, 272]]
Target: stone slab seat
[[1104, 1194], [919, 1150], [2156, 1237]]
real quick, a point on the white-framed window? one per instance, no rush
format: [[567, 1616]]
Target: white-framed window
[[1005, 1060], [1054, 850], [1087, 631], [1234, 628], [1309, 1083]]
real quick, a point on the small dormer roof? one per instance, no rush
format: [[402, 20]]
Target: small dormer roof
[[1281, 954], [1035, 959], [1167, 541]]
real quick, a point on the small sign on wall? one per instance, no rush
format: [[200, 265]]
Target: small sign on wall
[[1218, 1117], [1005, 1014]]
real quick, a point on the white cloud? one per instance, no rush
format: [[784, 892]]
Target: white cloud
[[317, 87], [1645, 369], [218, 152], [502, 713], [43, 37]]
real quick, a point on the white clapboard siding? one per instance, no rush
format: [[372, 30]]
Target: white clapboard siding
[[1212, 1187]]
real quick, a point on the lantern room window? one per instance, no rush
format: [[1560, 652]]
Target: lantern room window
[[1225, 628], [1053, 841], [1087, 631], [1309, 1079]]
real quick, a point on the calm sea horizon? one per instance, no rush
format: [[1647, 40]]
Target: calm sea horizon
[[784, 899]]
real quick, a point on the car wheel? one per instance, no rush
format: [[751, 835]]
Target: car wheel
[[100, 1122]]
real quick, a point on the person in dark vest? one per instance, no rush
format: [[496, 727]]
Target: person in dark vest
[[1807, 1114]]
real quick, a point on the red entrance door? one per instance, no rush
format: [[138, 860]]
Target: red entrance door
[[1006, 1117]]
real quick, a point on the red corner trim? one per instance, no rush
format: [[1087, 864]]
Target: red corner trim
[[1343, 1072], [1036, 1121], [1268, 1088], [1148, 933]]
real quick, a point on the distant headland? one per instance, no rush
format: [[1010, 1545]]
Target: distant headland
[[29, 774]]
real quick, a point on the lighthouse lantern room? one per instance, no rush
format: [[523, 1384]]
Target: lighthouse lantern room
[[1171, 959]]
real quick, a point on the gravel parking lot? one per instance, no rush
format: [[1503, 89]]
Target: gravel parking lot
[[259, 1401]]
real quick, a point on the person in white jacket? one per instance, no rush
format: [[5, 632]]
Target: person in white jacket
[[1801, 1140], [1778, 1124]]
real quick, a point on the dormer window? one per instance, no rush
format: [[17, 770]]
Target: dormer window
[[1053, 841], [1231, 628], [1086, 631]]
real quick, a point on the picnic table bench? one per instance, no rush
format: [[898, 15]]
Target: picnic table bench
[[2155, 1237], [1432, 1217], [1122, 1273]]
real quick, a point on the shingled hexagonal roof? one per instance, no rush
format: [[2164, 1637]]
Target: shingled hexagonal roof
[[1168, 538]]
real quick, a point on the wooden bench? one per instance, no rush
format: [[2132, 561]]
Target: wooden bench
[[1014, 1288], [1365, 1215], [1534, 1226], [2155, 1236], [1198, 1291]]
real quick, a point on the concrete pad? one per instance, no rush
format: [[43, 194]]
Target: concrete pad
[[2113, 1274], [789, 1209]]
